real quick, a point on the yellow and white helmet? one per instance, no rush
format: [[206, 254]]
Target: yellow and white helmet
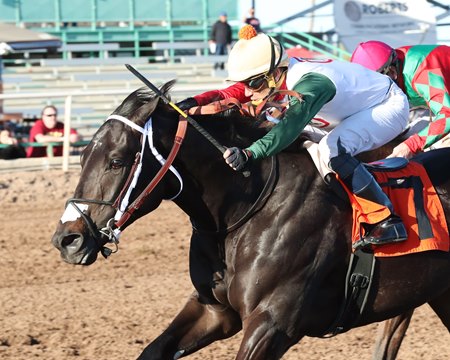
[[255, 54]]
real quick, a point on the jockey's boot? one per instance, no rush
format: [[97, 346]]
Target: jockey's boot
[[361, 183]]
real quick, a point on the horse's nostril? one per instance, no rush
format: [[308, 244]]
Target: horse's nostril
[[69, 239]]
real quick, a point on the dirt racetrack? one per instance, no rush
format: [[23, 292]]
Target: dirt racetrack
[[114, 308]]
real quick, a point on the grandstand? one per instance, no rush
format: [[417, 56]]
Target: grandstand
[[162, 39], [127, 27], [96, 90], [86, 79]]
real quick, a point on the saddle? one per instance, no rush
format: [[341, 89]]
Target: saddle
[[415, 200]]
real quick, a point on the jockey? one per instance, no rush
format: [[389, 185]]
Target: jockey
[[369, 108], [423, 73]]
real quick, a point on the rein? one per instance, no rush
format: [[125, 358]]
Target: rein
[[166, 165], [268, 102], [248, 109]]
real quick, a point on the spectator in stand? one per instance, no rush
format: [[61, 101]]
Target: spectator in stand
[[49, 129], [253, 21], [7, 137], [221, 37]]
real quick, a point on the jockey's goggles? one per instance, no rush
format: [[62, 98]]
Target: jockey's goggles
[[392, 61], [255, 83]]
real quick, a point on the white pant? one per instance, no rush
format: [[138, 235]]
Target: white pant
[[364, 131], [368, 129]]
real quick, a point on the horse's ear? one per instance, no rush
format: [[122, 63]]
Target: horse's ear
[[167, 86], [143, 113]]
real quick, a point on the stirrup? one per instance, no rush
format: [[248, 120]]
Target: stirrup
[[391, 230]]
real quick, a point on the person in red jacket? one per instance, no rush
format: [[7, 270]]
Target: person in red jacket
[[423, 73], [48, 129]]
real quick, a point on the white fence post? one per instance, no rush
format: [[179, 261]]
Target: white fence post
[[66, 142]]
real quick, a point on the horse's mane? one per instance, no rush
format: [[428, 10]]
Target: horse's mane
[[141, 97]]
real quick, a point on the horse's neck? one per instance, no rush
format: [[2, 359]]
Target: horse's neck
[[192, 202], [215, 196]]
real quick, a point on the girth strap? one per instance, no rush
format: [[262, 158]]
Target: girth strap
[[358, 283]]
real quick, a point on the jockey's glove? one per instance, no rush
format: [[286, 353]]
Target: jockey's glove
[[229, 112], [237, 158], [187, 103]]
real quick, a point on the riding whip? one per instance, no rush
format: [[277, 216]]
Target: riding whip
[[194, 123], [191, 121]]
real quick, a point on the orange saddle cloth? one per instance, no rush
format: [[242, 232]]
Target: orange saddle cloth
[[415, 201]]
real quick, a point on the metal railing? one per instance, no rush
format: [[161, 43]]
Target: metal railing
[[49, 145], [312, 43]]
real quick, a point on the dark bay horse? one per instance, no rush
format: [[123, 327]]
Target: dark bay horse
[[268, 253]]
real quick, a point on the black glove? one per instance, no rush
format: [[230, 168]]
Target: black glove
[[229, 112], [236, 158], [187, 103]]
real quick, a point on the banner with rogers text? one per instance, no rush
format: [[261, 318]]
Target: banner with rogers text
[[397, 23]]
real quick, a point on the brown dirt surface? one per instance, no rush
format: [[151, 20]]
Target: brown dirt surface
[[114, 308]]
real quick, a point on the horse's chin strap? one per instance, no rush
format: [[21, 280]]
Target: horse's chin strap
[[113, 238], [111, 231]]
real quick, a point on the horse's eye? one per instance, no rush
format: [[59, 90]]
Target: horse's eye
[[116, 164]]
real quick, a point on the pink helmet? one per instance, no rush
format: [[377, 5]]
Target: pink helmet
[[374, 55]]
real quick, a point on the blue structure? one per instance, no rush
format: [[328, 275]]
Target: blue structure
[[132, 21], [136, 24]]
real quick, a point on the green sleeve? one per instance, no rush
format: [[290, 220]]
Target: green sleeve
[[316, 90]]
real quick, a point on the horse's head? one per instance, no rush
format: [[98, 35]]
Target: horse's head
[[107, 180]]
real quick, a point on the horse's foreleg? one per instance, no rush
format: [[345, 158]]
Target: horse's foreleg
[[390, 336], [441, 307], [197, 325], [263, 339]]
